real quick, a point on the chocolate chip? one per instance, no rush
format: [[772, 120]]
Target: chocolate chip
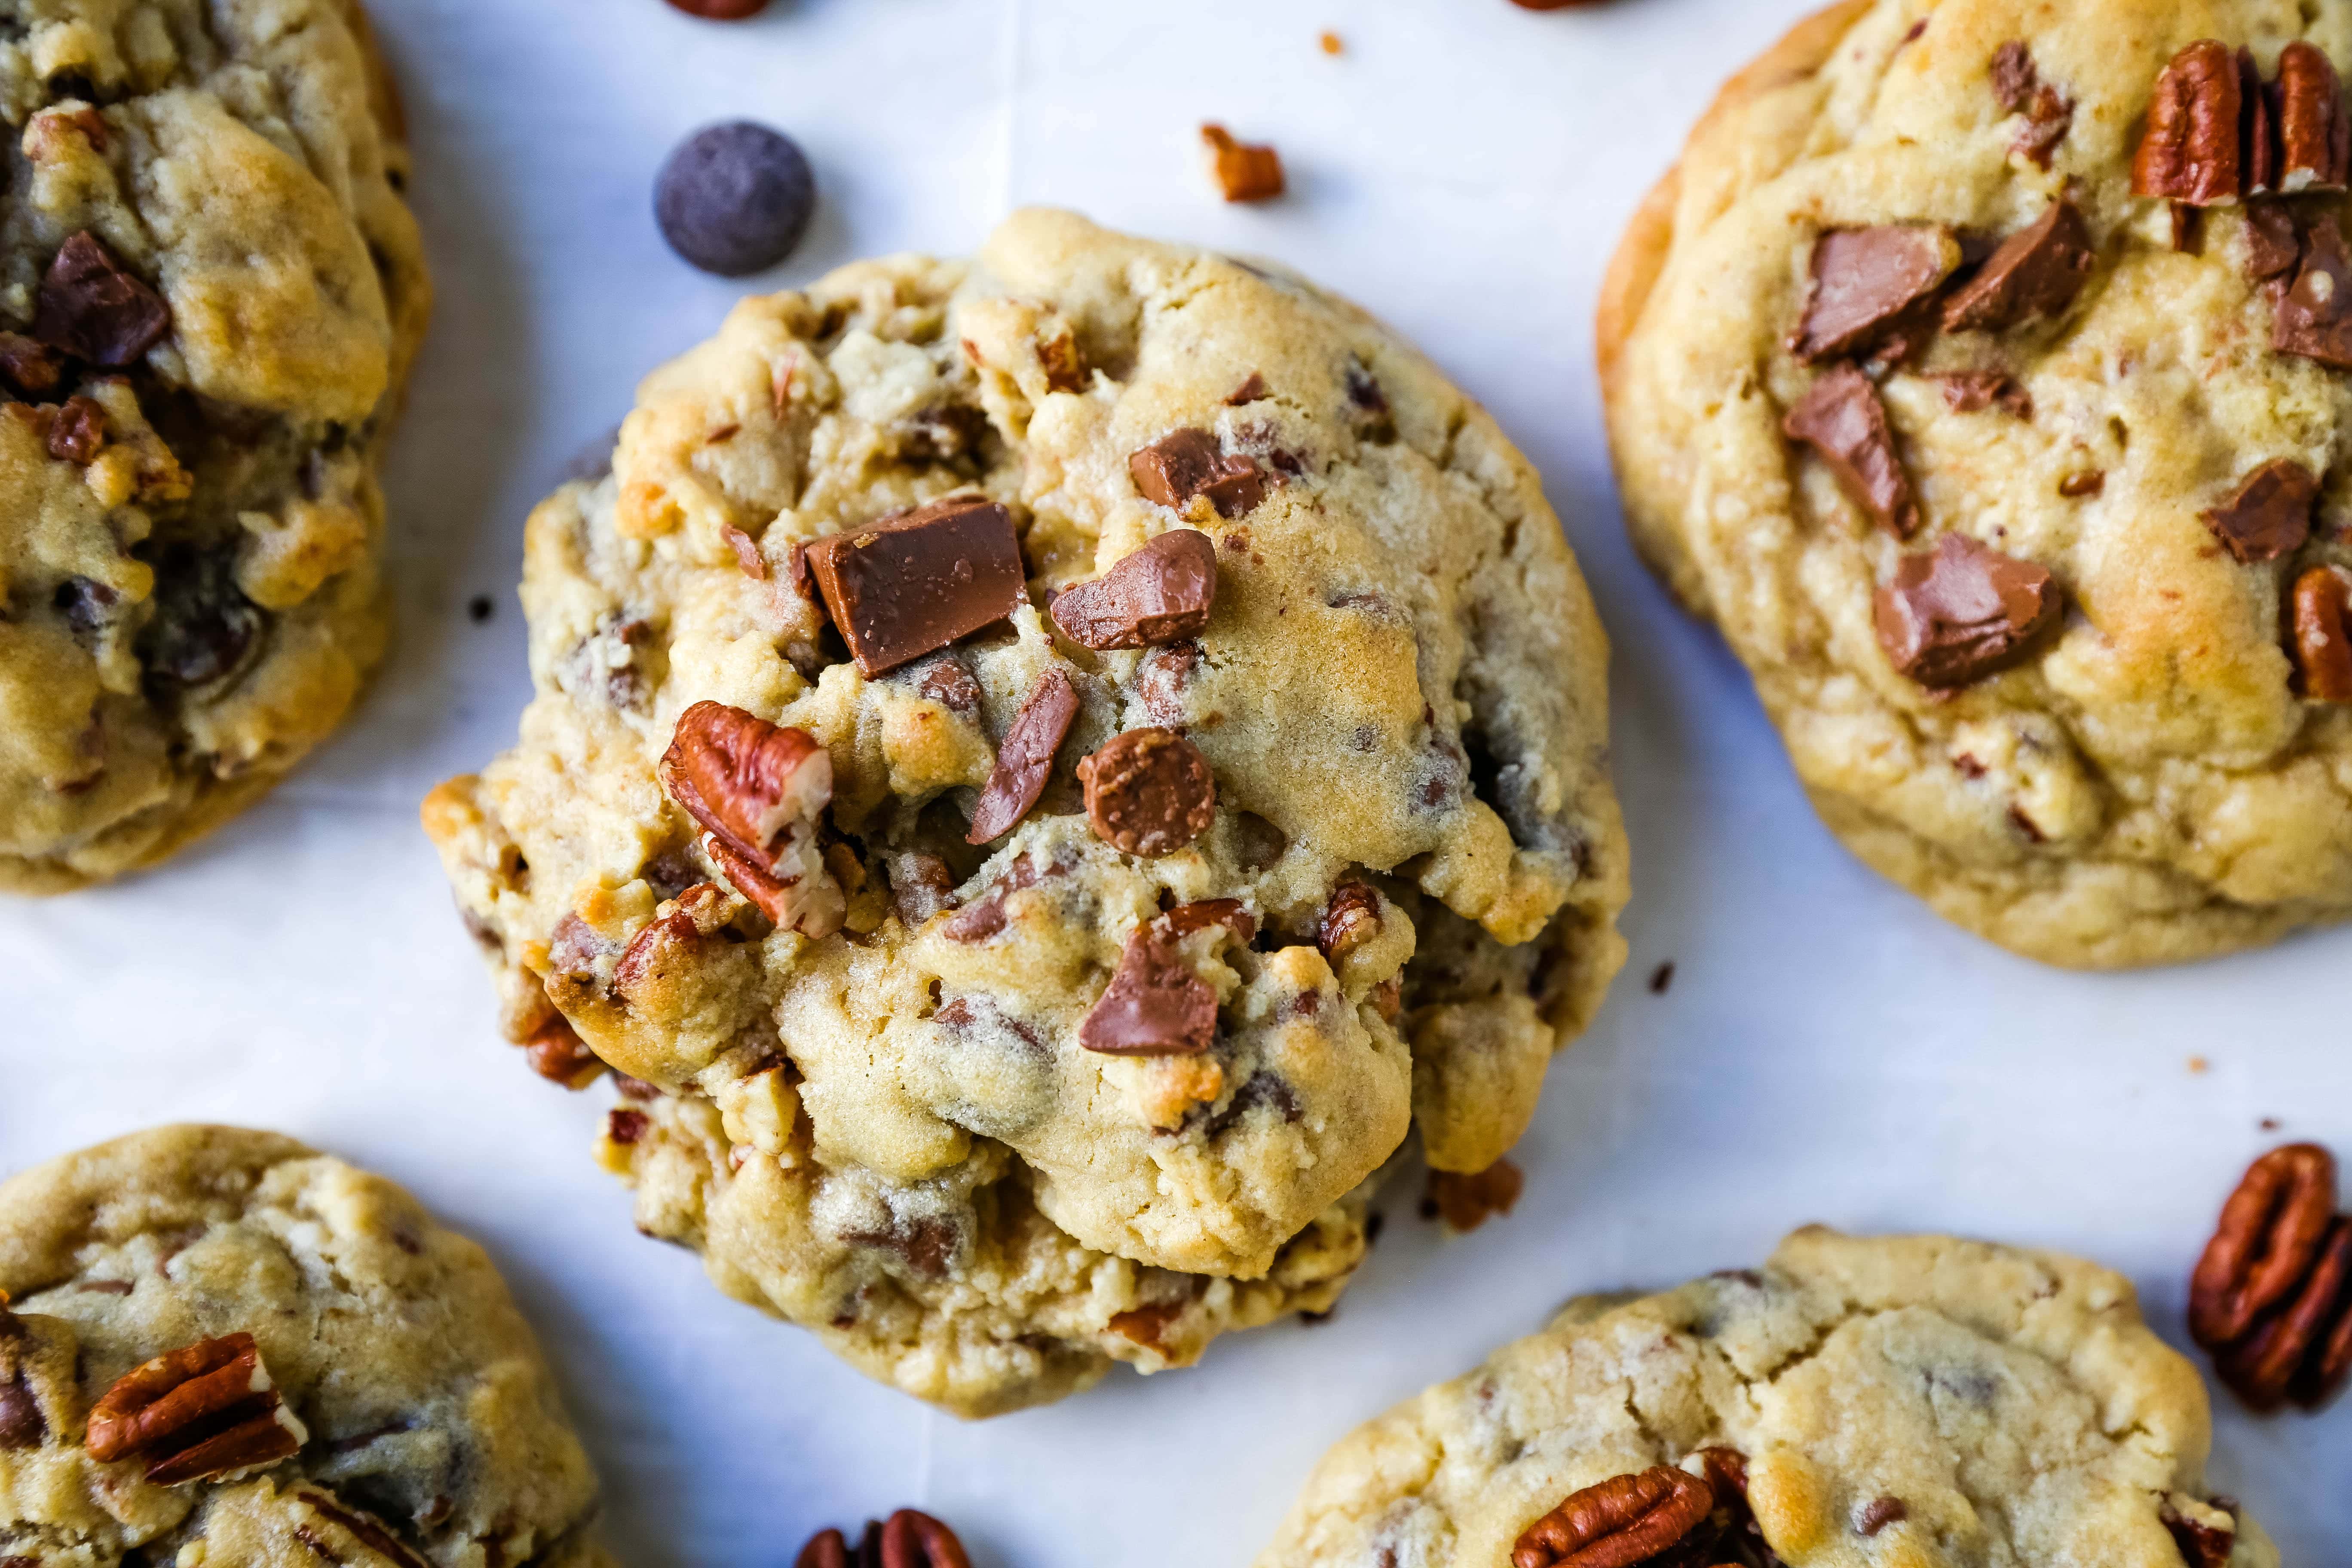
[[902, 587], [22, 1425], [2272, 243], [735, 199], [2270, 514], [1154, 1006], [1880, 1512], [720, 10], [1865, 280], [1188, 463], [2013, 76], [92, 308], [1662, 978], [1841, 417], [2037, 271], [1964, 611], [1973, 391], [2314, 317], [1247, 393], [2021, 90], [1149, 793], [78, 432], [2190, 151], [1155, 594], [944, 680], [30, 369], [1025, 760], [204, 626], [2315, 138], [1245, 172]]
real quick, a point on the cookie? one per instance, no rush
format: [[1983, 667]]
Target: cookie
[[1913, 1399], [1989, 413], [1052, 765], [218, 1345], [210, 291]]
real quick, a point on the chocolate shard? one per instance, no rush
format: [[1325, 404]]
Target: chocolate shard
[[91, 307], [29, 369], [2049, 113], [1865, 281], [1188, 463], [2314, 135], [2270, 514], [2037, 271], [1025, 761], [1973, 391], [1160, 594], [1965, 610], [2014, 77], [1841, 417], [2190, 151], [1154, 1006], [909, 584], [2274, 245], [2314, 317]]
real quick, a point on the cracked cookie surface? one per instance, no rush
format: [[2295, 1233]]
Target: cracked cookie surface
[[210, 291], [1310, 832], [430, 1429], [1912, 1400], [2141, 766]]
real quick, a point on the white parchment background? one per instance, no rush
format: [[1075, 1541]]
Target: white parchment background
[[1829, 1051]]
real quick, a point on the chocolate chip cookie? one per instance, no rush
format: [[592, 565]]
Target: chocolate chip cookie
[[219, 1346], [1912, 1400], [1044, 771], [1984, 381], [210, 290]]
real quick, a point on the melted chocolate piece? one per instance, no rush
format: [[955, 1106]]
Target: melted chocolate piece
[[1187, 463], [1867, 281], [1964, 611], [1154, 1006], [92, 308], [1149, 793], [2270, 514], [909, 584], [1025, 761], [1157, 595], [1841, 417], [2036, 272], [2314, 318]]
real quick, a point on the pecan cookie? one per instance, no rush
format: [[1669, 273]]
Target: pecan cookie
[[1053, 764], [1984, 380], [210, 290], [220, 1346], [1913, 1399]]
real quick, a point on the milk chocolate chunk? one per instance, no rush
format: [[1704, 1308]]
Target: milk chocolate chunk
[[2270, 515], [2314, 316], [1963, 612], [1160, 594], [1149, 793], [1025, 761], [1865, 280], [901, 587], [2037, 271], [1974, 391], [2190, 151], [92, 308], [1154, 1006], [2049, 113], [2315, 136], [2273, 244], [1188, 463], [1841, 417]]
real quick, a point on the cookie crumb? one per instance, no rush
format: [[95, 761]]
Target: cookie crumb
[[1331, 43], [2199, 1065], [1662, 977], [2269, 1124], [1245, 172], [480, 608]]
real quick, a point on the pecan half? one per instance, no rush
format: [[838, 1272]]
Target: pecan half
[[761, 790], [906, 1540], [1623, 1521], [2189, 152], [2323, 633], [203, 1411], [2315, 136], [2304, 1349]]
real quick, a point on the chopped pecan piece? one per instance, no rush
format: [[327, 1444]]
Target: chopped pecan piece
[[2036, 272], [2315, 136], [2323, 633], [1465, 1200], [201, 1412], [2269, 514], [2049, 113], [1201, 913], [28, 368], [1963, 612], [914, 582], [1148, 792], [557, 1054], [1244, 173], [2269, 1233], [1351, 918], [2314, 316], [2206, 1533], [1623, 1521], [1866, 283], [1025, 761], [1842, 418], [2191, 151], [1154, 1006], [1160, 594], [761, 791], [91, 307], [1187, 463]]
